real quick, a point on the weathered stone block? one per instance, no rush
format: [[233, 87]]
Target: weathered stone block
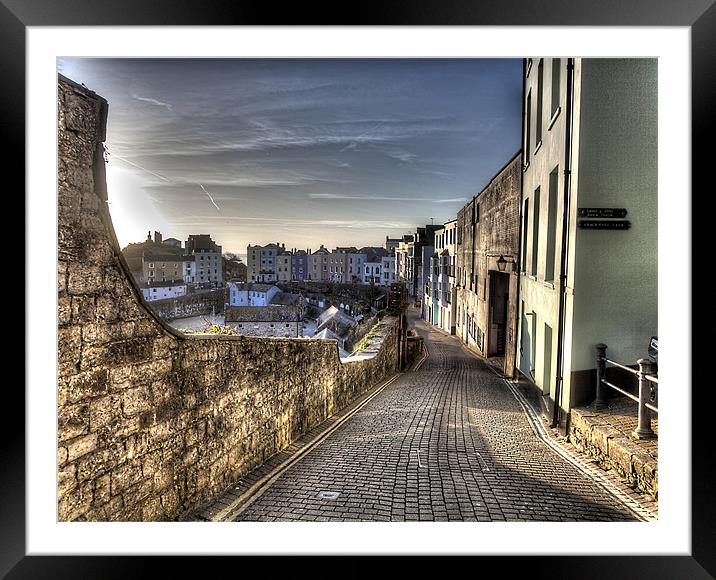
[[69, 345], [64, 310], [106, 309], [102, 490], [619, 451], [72, 422], [84, 278], [81, 446], [75, 502], [66, 479], [136, 400], [125, 476], [94, 465], [105, 410], [116, 353], [82, 386], [61, 277], [83, 309]]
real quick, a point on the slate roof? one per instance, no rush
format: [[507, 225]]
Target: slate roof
[[160, 284], [262, 314], [285, 299], [253, 287]]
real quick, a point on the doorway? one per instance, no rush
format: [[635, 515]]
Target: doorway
[[498, 304]]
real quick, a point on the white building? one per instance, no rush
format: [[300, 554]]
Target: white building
[[444, 261], [372, 273], [388, 270], [588, 264], [161, 290], [251, 294]]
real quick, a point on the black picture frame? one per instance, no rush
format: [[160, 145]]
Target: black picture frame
[[17, 15]]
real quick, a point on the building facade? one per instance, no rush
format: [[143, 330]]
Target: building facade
[[338, 267], [318, 264], [443, 269], [587, 275], [271, 321], [251, 294], [486, 267], [283, 266], [388, 269], [261, 262], [299, 265], [161, 290], [162, 268]]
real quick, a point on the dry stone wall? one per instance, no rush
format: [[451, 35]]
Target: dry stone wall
[[152, 423]]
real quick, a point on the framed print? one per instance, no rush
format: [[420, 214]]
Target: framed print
[[166, 439]]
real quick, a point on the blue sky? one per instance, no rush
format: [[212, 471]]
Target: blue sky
[[333, 151]]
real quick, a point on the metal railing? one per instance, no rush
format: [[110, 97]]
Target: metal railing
[[648, 390]]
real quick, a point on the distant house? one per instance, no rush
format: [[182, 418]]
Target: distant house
[[273, 321], [207, 267], [299, 265], [336, 321], [251, 294], [173, 242], [388, 270], [318, 264], [371, 273], [161, 290]]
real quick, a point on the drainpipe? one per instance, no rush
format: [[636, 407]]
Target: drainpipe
[[569, 126]]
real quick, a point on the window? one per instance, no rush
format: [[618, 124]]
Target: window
[[528, 123], [535, 233], [556, 82], [551, 226], [525, 222], [540, 90]]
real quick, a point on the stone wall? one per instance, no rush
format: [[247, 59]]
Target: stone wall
[[151, 423], [595, 434], [190, 305]]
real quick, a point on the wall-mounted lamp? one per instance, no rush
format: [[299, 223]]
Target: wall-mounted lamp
[[501, 263]]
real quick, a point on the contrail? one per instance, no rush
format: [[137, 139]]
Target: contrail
[[360, 137], [209, 195], [143, 168]]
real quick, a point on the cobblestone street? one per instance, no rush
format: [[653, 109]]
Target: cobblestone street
[[446, 442]]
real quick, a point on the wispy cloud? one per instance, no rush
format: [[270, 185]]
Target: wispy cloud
[[362, 137], [151, 101], [381, 198], [451, 200]]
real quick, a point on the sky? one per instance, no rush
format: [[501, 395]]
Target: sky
[[340, 152]]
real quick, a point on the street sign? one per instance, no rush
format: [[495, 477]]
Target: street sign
[[601, 212], [604, 225]]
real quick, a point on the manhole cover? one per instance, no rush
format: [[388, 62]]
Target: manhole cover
[[328, 494]]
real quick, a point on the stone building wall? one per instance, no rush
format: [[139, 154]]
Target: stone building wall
[[190, 305], [151, 423], [274, 329], [489, 228]]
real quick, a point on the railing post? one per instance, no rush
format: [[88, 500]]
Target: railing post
[[643, 430], [600, 402]]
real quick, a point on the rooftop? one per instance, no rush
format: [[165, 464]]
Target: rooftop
[[262, 314]]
